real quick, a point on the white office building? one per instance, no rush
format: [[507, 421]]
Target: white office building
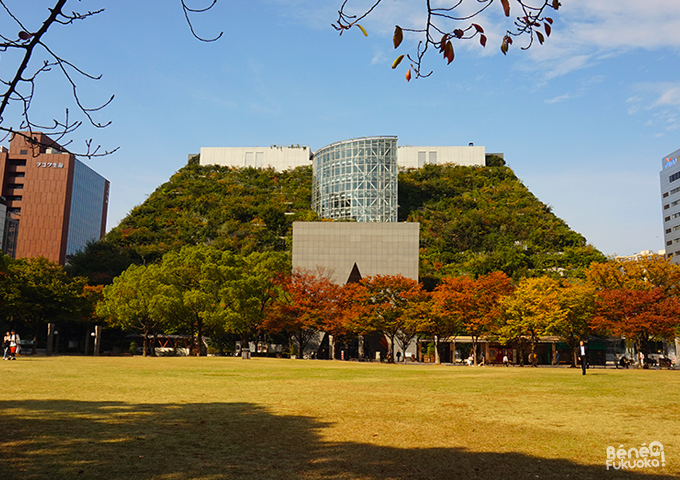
[[278, 158], [418, 157], [670, 201]]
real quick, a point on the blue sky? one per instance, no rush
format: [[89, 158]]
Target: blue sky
[[583, 120]]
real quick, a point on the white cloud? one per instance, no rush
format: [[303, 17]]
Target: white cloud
[[661, 100], [587, 31], [560, 98], [584, 32]]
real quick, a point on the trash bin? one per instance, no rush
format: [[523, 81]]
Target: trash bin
[[245, 354]]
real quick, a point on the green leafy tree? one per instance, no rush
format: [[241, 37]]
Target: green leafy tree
[[100, 262], [246, 297], [132, 302], [42, 292], [194, 276]]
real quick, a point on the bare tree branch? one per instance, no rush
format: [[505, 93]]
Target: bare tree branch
[[443, 26], [188, 10], [19, 86]]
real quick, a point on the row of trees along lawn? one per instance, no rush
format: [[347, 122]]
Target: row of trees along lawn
[[35, 291], [474, 220], [202, 290]]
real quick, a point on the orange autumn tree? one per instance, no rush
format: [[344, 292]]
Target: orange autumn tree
[[638, 315], [473, 305], [637, 299], [382, 304], [645, 273], [304, 303], [453, 303]]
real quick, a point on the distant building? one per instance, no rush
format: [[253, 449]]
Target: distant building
[[3, 217], [57, 202], [670, 201], [282, 158], [418, 157], [642, 255], [278, 158], [357, 179]]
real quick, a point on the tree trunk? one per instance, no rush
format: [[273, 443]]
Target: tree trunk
[[437, 357], [199, 337], [145, 342], [153, 343], [50, 339], [87, 341], [97, 339], [390, 348]]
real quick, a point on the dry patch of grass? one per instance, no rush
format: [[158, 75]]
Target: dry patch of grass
[[226, 418]]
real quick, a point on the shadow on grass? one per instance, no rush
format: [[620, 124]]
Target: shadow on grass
[[100, 440]]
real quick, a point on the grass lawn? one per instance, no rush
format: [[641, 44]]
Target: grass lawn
[[227, 418]]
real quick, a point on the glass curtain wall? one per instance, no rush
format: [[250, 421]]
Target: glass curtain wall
[[357, 179]]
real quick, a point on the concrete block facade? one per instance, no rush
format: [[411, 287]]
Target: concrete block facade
[[376, 248], [417, 157], [278, 158]]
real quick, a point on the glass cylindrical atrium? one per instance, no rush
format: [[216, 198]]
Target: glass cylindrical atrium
[[357, 179]]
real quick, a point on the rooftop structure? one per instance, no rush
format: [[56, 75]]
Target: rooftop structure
[[278, 158]]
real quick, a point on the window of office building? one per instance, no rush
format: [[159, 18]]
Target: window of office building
[[87, 202]]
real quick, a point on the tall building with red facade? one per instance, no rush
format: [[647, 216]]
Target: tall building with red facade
[[60, 202]]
